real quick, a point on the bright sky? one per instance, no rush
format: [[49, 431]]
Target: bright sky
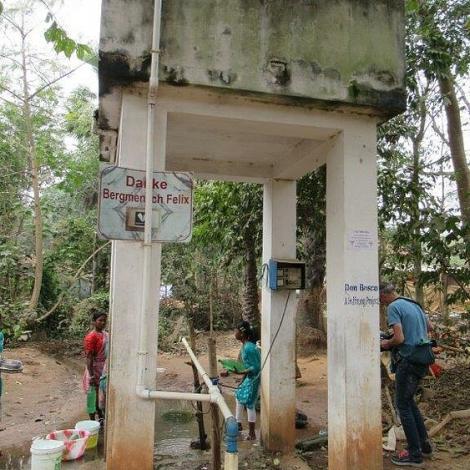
[[81, 20]]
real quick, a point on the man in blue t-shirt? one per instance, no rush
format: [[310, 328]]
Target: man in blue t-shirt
[[410, 329]]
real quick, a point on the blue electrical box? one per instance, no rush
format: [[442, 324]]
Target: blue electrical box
[[286, 274]]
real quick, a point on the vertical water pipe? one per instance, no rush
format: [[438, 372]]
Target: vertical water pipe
[[231, 456], [146, 307], [231, 425]]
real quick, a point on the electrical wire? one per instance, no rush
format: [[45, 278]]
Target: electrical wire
[[270, 347], [264, 270], [272, 343], [275, 335]]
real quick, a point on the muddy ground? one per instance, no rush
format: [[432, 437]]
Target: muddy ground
[[44, 397], [47, 396]]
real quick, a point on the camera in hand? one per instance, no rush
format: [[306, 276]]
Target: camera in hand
[[383, 336]]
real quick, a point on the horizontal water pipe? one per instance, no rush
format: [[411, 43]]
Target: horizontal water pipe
[[214, 396], [147, 394]]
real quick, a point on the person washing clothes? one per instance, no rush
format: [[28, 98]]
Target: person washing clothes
[[95, 347], [413, 357], [247, 392]]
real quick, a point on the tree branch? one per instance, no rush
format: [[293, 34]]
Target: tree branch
[[463, 96], [8, 101], [11, 58], [438, 131], [47, 85], [77, 274], [20, 30], [18, 97]]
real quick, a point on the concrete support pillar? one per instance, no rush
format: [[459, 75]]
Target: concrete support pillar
[[354, 406], [130, 420], [278, 376]]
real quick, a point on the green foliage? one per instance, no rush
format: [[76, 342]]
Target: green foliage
[[11, 318], [311, 223], [440, 36], [448, 253], [191, 270], [67, 178], [50, 285], [229, 214], [81, 176], [412, 6], [228, 217], [64, 43], [416, 228], [82, 313]]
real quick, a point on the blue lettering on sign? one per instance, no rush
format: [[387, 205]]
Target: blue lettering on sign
[[368, 287], [350, 287], [364, 301], [362, 297]]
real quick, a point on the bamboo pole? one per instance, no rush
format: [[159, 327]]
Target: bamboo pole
[[447, 419], [197, 388], [215, 431], [212, 349]]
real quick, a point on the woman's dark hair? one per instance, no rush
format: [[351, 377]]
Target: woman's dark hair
[[249, 332], [97, 314]]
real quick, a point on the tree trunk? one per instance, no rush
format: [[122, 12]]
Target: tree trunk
[[35, 184], [456, 144], [311, 304], [215, 428], [250, 291], [444, 278], [415, 213], [93, 267], [310, 308], [203, 445]]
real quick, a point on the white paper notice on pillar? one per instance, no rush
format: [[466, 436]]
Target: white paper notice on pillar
[[121, 210], [361, 240]]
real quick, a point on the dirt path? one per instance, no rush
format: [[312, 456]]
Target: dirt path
[[46, 396]]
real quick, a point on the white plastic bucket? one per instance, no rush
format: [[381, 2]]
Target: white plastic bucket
[[46, 454], [93, 427]]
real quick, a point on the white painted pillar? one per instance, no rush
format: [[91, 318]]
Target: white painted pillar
[[130, 420], [354, 406], [278, 376]]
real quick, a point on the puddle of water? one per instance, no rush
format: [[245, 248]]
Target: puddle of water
[[20, 459], [175, 428]]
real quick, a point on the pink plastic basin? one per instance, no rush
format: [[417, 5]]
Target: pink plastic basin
[[74, 440]]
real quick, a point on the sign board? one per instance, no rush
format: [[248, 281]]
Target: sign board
[[121, 213], [361, 240]]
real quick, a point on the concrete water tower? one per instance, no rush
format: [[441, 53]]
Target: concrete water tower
[[261, 91]]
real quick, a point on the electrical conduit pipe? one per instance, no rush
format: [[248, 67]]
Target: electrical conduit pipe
[[146, 307]]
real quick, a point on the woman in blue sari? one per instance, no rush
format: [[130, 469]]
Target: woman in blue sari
[[247, 392]]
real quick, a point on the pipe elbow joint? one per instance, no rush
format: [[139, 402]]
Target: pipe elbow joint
[[142, 392], [231, 434]]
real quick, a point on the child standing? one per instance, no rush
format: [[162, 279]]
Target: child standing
[[247, 392], [95, 345]]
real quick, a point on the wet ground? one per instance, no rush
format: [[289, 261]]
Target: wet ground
[[37, 403], [177, 427]]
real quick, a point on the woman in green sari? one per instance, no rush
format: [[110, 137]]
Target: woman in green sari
[[247, 392]]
